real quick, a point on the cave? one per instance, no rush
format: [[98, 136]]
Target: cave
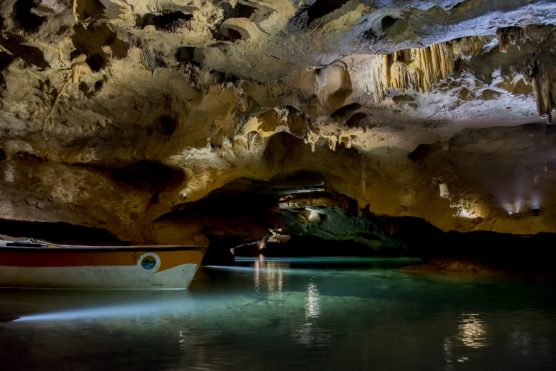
[[246, 184]]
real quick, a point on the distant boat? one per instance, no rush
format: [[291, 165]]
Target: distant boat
[[29, 264]]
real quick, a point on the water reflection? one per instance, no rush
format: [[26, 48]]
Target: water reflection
[[312, 305], [310, 333], [270, 315], [181, 340], [472, 331], [269, 275], [471, 335]]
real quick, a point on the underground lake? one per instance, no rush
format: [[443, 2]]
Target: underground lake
[[311, 313]]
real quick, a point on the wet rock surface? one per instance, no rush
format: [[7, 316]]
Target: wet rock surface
[[128, 116]]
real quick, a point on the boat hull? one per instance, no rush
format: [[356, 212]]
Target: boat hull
[[125, 268]]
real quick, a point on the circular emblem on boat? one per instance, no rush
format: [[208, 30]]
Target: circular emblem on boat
[[149, 262]]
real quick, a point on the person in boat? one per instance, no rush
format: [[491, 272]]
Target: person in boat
[[274, 237], [262, 243]]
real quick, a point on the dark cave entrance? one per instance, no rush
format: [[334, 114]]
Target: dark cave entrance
[[297, 215]]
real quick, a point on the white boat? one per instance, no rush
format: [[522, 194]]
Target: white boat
[[28, 264]]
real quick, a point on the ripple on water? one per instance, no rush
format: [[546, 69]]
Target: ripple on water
[[275, 315]]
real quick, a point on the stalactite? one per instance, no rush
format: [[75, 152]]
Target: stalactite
[[544, 87], [312, 139], [380, 75], [404, 77], [420, 68]]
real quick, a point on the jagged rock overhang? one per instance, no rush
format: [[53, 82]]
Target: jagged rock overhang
[[210, 90]]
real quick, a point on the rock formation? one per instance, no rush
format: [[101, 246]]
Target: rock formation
[[125, 115]]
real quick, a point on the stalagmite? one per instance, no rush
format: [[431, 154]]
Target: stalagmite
[[541, 69], [544, 88]]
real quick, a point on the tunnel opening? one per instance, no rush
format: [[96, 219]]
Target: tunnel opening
[[58, 232], [299, 215], [472, 253], [293, 213]]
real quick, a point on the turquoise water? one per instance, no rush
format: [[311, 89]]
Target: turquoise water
[[320, 314]]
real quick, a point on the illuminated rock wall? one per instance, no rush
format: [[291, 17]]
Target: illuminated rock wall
[[118, 114]]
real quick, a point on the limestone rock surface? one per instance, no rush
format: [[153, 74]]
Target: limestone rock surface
[[125, 114]]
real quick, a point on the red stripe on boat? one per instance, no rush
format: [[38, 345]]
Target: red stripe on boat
[[169, 259]]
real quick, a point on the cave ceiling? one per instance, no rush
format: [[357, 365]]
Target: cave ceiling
[[118, 114]]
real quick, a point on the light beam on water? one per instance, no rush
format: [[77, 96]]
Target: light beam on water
[[156, 307]]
